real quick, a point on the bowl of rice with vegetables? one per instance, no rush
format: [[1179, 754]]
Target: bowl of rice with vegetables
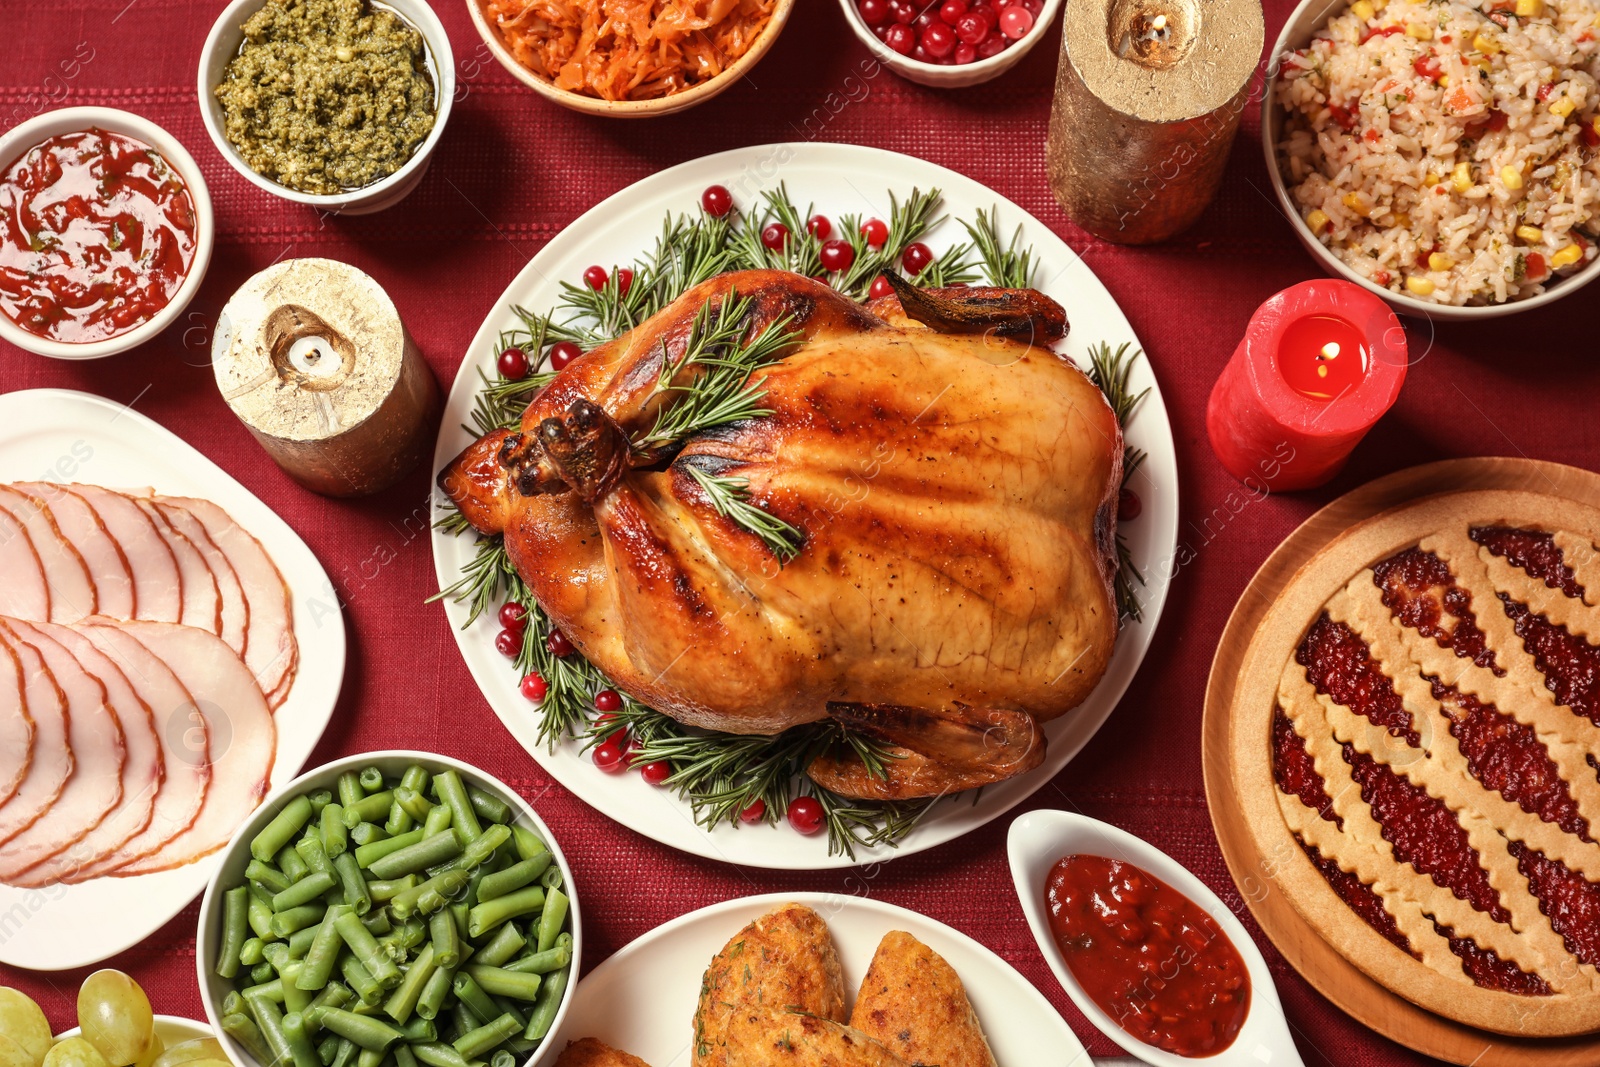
[[1446, 155]]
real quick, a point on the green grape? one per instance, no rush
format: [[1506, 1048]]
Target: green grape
[[151, 1054], [14, 1055], [74, 1052], [23, 1022], [201, 1048], [115, 1016]]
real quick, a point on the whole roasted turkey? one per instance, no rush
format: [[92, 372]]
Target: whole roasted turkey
[[954, 483]]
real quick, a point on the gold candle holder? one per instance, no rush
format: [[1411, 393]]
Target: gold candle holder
[[312, 357], [1147, 101]]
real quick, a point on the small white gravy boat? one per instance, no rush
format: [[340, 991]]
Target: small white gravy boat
[[1038, 839]]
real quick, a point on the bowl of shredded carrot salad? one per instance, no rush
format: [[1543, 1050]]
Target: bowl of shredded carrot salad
[[629, 58]]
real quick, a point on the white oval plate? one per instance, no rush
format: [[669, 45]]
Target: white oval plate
[[642, 999], [838, 179], [171, 1029], [65, 436]]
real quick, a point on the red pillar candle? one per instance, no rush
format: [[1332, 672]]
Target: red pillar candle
[[1321, 362]]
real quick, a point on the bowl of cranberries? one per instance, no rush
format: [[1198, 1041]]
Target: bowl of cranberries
[[950, 43]]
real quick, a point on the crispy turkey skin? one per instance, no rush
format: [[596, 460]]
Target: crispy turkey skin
[[955, 492]]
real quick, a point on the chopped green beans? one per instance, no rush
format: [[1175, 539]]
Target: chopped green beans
[[351, 884], [513, 877], [486, 1037], [307, 889], [367, 855], [491, 913], [319, 800], [396, 922], [429, 852], [235, 925], [281, 830]]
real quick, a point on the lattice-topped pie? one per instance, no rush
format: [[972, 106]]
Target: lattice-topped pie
[[1424, 755]]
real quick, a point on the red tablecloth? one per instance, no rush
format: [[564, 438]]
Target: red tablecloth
[[510, 172]]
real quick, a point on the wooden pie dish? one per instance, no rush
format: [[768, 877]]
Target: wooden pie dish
[[1343, 956]]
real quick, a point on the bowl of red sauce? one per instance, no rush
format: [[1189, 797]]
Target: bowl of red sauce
[[105, 232], [1146, 951]]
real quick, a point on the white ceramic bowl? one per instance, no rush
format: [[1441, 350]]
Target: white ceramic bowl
[[393, 762], [951, 77], [1041, 838], [222, 44], [1306, 20], [70, 120], [171, 1029]]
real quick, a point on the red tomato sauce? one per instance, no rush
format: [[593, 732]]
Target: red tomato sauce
[[1150, 957], [97, 232]]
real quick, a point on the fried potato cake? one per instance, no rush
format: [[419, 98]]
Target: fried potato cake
[[914, 1003], [765, 1038], [589, 1052], [785, 961]]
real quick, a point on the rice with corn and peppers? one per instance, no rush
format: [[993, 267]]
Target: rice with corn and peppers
[[1449, 151]]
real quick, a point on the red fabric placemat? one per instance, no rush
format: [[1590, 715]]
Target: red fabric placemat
[[509, 173]]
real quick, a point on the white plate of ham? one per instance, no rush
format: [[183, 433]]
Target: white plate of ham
[[170, 650]]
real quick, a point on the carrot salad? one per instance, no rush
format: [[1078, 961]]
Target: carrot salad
[[629, 49]]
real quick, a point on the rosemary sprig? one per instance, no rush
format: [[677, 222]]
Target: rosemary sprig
[[730, 497], [725, 359], [500, 402], [907, 223], [801, 253], [1112, 372], [1011, 267]]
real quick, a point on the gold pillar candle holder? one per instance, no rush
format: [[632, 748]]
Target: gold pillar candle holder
[[312, 357], [1147, 101]]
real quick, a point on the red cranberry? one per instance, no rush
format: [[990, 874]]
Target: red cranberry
[[562, 353], [656, 772], [775, 236], [508, 643], [717, 201], [534, 687], [950, 11], [880, 288], [624, 280], [874, 12], [939, 39], [903, 11], [607, 700], [964, 53], [513, 616], [754, 812], [993, 45], [558, 644], [876, 231], [1129, 506], [901, 39], [632, 750], [916, 257], [805, 814], [973, 27], [512, 364], [595, 278], [608, 757], [819, 227], [605, 722], [837, 255], [1016, 21]]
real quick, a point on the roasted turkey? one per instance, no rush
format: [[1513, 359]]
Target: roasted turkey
[[954, 482]]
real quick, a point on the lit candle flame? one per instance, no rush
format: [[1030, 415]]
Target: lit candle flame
[[1159, 23]]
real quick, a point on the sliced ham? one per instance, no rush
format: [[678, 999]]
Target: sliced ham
[[99, 750], [72, 593], [202, 602], [23, 592], [185, 747], [157, 582], [234, 615], [269, 649], [143, 771], [16, 726], [240, 732], [81, 525], [52, 764]]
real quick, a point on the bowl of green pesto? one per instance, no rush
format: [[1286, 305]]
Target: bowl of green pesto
[[336, 104]]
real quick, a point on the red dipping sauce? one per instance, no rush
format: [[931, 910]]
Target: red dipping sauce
[[1150, 957], [97, 232]]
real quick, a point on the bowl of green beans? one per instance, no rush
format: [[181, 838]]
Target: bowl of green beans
[[392, 909]]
